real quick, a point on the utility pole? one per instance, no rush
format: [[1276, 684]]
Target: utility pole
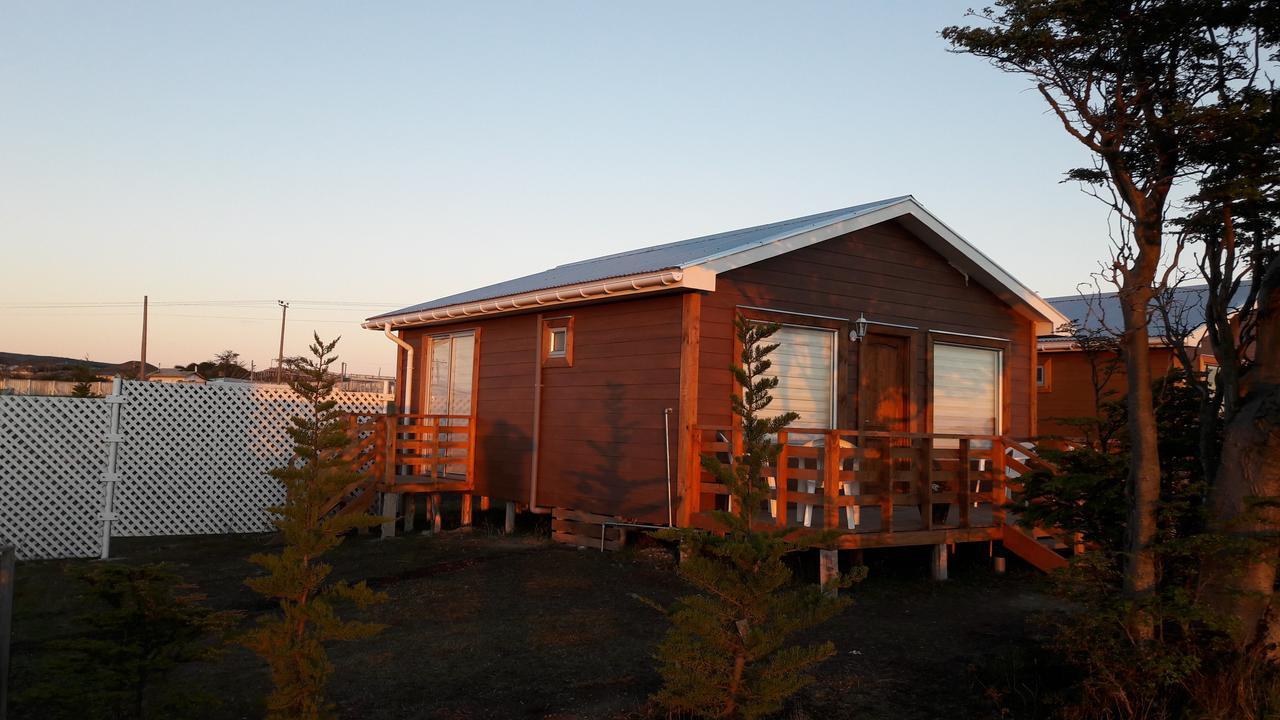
[[284, 309], [142, 367]]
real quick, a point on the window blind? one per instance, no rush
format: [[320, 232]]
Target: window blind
[[966, 390]]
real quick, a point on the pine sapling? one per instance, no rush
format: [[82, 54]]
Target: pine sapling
[[293, 640], [727, 653]]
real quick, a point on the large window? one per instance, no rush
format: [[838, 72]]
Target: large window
[[805, 365], [966, 390], [451, 367]]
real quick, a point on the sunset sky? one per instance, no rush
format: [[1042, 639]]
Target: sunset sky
[[352, 158]]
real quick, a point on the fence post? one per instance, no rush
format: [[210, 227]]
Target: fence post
[[109, 478], [8, 554]]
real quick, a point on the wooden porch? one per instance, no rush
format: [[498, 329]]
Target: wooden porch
[[875, 489], [880, 489]]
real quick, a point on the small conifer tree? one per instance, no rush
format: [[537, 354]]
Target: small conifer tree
[[144, 623], [727, 653], [292, 641]]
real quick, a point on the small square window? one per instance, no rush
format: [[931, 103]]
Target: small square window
[[1044, 376], [558, 342]]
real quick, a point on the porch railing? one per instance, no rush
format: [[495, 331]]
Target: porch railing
[[872, 482]]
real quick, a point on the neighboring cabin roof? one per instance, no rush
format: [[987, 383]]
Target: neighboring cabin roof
[[1101, 312], [694, 263]]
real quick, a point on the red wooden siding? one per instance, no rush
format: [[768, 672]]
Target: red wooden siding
[[601, 424], [602, 419], [1069, 393], [891, 276]]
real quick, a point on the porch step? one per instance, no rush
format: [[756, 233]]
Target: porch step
[[1024, 545], [583, 529]]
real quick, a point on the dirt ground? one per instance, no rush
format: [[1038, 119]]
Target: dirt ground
[[487, 626]]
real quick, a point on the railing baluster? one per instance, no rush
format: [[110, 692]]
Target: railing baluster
[[997, 482], [780, 481], [926, 482], [695, 470], [964, 477]]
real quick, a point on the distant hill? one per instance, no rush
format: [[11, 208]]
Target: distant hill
[[53, 362]]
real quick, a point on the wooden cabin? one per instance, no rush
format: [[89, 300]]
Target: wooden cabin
[[593, 387], [1073, 382]]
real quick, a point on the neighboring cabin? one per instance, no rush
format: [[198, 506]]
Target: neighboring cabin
[[1073, 383], [583, 379]]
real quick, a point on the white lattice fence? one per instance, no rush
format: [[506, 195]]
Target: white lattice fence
[[194, 459], [52, 456]]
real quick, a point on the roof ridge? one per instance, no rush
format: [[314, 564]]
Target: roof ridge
[[730, 233]]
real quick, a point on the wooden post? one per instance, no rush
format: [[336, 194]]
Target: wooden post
[[831, 480], [8, 556], [389, 514], [780, 480], [436, 524], [998, 564], [965, 478], [687, 465], [939, 561], [466, 509], [510, 526], [828, 570], [484, 503], [998, 488], [926, 482], [410, 510]]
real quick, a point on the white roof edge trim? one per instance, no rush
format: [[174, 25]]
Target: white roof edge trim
[[681, 278], [804, 237]]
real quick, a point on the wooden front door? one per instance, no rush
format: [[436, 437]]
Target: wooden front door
[[884, 383], [884, 398]]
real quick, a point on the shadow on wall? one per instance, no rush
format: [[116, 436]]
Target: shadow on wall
[[613, 486], [502, 467]]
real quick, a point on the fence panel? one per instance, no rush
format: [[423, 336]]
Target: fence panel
[[52, 456], [194, 459]]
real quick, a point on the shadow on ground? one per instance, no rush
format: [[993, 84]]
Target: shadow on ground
[[487, 626]]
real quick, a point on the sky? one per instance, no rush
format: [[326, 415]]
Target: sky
[[354, 158]]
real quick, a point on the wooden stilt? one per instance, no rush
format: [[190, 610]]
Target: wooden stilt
[[828, 570], [510, 526], [484, 502], [436, 524], [466, 509], [409, 512], [998, 563], [939, 563], [389, 514]]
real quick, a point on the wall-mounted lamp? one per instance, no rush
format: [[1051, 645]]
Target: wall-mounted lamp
[[859, 330]]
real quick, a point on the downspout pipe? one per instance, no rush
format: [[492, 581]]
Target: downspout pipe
[[408, 366], [536, 453]]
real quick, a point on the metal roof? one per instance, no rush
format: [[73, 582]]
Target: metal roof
[[1101, 311], [681, 254]]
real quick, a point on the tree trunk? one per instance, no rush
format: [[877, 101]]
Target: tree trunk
[[1144, 460], [1250, 472]]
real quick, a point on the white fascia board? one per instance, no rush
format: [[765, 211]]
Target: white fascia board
[[1008, 287], [672, 279]]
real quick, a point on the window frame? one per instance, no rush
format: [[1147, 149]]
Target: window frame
[[424, 362], [1003, 387], [550, 326], [1044, 375], [815, 324]]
